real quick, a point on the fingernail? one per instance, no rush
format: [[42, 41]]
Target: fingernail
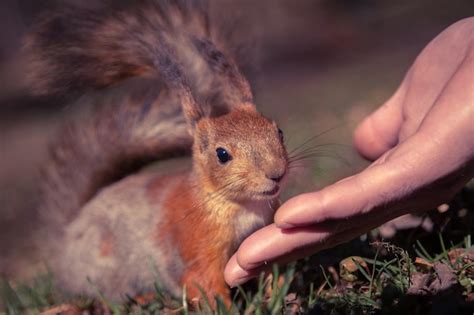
[[284, 225], [239, 281]]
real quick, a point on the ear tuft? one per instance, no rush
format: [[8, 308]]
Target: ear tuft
[[193, 113], [203, 139], [250, 107]]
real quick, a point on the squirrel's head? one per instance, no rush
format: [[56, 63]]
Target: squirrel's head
[[240, 155]]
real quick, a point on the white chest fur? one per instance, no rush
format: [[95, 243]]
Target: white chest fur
[[251, 216]]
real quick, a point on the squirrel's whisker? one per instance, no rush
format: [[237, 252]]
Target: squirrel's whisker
[[160, 79], [312, 138], [303, 150], [317, 153], [224, 189]]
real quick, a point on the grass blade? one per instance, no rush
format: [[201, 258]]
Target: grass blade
[[362, 271], [425, 255]]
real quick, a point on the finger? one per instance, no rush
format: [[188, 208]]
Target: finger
[[234, 274], [378, 133], [345, 199], [451, 119], [413, 165], [283, 247], [269, 245], [271, 242]]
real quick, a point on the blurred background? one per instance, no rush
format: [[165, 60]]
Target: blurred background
[[320, 67]]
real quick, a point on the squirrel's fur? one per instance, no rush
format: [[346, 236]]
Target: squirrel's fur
[[76, 52], [157, 80]]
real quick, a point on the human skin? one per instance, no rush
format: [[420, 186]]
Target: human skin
[[422, 144]]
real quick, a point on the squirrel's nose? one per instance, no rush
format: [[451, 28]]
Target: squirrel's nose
[[276, 175]]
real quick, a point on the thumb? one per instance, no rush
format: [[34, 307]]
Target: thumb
[[378, 133], [393, 177]]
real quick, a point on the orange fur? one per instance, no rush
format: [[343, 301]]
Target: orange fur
[[165, 61], [205, 229], [144, 299], [188, 228]]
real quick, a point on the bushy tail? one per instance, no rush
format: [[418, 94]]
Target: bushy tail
[[135, 67], [135, 123], [75, 50]]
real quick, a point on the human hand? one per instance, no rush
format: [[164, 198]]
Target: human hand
[[422, 141]]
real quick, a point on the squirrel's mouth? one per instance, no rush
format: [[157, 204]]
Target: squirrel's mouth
[[273, 192]]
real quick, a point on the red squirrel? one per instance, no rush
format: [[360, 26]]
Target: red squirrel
[[158, 80]]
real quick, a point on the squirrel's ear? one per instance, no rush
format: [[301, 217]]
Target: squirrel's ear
[[193, 113], [202, 139], [250, 107]]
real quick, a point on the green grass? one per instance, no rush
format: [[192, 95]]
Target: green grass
[[361, 286], [29, 298], [389, 280], [375, 279]]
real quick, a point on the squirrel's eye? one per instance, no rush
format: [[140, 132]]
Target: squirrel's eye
[[280, 133], [223, 155]]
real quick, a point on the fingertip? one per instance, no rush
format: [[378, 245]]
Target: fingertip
[[378, 133], [232, 271], [368, 141], [235, 275], [299, 211], [247, 253], [259, 248], [372, 139], [284, 214]]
